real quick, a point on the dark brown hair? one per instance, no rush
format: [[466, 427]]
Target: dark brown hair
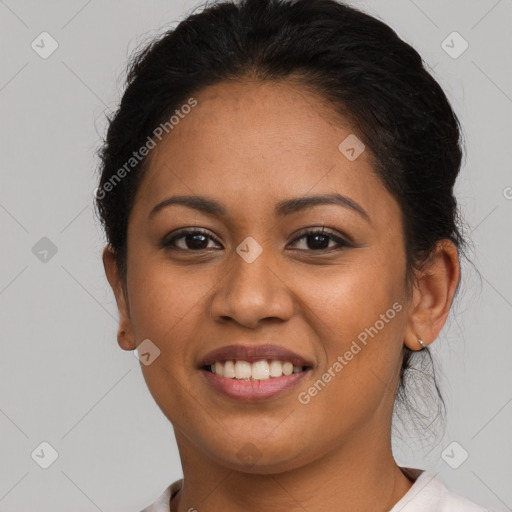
[[351, 59]]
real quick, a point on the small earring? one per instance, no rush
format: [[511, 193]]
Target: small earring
[[420, 341]]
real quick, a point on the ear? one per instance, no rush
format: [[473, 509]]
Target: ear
[[125, 334], [433, 293]]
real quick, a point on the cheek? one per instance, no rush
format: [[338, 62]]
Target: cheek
[[166, 305], [357, 383], [359, 314], [163, 298], [346, 300]]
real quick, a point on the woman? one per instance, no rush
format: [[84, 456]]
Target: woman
[[277, 194]]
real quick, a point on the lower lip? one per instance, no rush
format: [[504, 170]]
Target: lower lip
[[252, 390]]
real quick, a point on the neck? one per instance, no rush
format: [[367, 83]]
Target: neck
[[359, 475]]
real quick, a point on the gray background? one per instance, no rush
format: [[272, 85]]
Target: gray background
[[64, 380]]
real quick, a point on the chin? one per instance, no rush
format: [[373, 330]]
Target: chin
[[260, 456]]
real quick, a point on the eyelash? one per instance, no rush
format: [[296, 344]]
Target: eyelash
[[169, 243]]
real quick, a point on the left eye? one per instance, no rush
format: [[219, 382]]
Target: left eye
[[198, 240], [318, 240]]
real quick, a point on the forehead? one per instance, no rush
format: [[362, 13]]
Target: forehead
[[253, 143]]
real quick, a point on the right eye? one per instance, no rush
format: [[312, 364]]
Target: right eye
[[188, 240]]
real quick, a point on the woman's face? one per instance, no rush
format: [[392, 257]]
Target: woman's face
[[254, 278]]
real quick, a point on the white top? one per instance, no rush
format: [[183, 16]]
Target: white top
[[427, 494]]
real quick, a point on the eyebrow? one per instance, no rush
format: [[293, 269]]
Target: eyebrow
[[282, 208]]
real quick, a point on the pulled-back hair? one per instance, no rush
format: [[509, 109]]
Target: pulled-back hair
[[355, 62]]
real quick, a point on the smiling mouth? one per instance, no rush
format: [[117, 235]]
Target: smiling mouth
[[257, 370]]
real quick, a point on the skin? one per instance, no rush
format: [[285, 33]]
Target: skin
[[249, 145]]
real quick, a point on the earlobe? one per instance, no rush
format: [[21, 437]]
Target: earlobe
[[433, 294], [125, 334]]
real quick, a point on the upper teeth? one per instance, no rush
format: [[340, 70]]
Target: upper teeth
[[259, 370]]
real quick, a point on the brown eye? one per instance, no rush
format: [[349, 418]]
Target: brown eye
[[321, 240], [192, 240]]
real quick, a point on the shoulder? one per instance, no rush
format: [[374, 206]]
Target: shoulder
[[428, 494], [162, 503]]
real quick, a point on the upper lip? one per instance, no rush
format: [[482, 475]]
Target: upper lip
[[251, 353]]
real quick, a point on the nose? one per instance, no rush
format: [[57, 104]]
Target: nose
[[252, 292]]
